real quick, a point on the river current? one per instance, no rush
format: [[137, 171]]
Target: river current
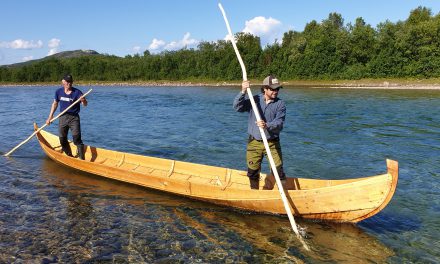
[[50, 213]]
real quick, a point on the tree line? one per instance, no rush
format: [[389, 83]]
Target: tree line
[[327, 50]]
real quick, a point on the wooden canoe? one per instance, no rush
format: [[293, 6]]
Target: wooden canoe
[[349, 200]]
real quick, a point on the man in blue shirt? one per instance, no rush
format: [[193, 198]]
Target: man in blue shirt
[[65, 96], [273, 113]]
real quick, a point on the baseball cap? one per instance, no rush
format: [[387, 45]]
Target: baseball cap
[[68, 78], [272, 82]]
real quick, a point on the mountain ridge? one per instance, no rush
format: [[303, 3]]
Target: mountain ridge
[[59, 55]]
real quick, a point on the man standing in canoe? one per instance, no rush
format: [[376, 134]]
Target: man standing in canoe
[[273, 113], [65, 96]]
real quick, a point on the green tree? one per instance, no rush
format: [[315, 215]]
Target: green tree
[[250, 50]]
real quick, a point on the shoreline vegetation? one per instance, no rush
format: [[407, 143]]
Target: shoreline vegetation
[[326, 54], [425, 84]]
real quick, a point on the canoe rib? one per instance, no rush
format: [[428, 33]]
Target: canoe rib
[[349, 200]]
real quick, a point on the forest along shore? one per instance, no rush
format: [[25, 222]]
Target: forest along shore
[[421, 85]]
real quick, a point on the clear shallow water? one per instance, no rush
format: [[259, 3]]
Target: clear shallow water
[[52, 213]]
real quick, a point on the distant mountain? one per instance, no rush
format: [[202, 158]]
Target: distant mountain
[[59, 55]]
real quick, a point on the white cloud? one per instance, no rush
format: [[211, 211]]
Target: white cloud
[[22, 44], [52, 52], [268, 29], [185, 42], [156, 44], [136, 49], [228, 37], [160, 45], [53, 44], [27, 58]]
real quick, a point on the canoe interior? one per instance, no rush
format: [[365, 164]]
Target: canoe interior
[[347, 200], [184, 170]]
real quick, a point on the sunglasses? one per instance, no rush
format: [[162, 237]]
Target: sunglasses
[[273, 90]]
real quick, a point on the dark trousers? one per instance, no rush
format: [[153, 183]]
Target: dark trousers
[[72, 122]]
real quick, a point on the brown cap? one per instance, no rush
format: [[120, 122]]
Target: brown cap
[[272, 82]]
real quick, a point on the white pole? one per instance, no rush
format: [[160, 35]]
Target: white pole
[[53, 119], [263, 135]]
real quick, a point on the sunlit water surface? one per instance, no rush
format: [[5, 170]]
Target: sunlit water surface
[[50, 213]]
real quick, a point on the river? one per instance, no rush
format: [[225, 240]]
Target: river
[[50, 213]]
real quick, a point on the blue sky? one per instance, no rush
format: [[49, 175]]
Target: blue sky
[[31, 29]]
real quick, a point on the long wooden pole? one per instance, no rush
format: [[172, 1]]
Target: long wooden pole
[[53, 119], [263, 135]]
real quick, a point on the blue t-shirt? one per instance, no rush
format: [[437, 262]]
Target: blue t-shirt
[[65, 100]]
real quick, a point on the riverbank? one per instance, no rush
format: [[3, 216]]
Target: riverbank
[[428, 84]]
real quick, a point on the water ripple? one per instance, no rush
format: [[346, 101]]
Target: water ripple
[[54, 214]]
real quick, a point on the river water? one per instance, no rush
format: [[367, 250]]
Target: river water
[[50, 213]]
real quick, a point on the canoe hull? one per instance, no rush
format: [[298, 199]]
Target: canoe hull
[[350, 200]]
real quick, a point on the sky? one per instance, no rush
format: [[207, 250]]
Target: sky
[[31, 29]]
